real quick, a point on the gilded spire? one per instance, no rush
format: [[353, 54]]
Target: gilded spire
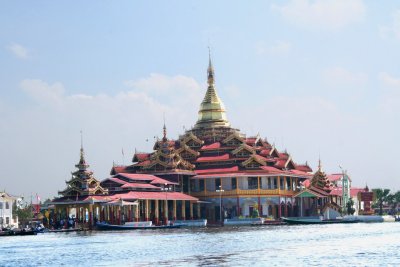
[[164, 131], [319, 165], [82, 158], [212, 110], [82, 162], [210, 70]]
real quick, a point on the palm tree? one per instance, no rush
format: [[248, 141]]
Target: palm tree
[[381, 195], [396, 201]]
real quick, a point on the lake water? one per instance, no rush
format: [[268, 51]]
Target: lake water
[[374, 244]]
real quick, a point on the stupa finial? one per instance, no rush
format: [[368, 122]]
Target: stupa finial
[[164, 130], [210, 70], [82, 165], [82, 158], [319, 164]]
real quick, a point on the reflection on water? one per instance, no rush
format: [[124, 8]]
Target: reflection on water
[[329, 245]]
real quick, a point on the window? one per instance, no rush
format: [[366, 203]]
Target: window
[[253, 165], [243, 153], [217, 183], [233, 183], [201, 185], [7, 220], [275, 183], [269, 183], [288, 183], [7, 205], [281, 183], [252, 182], [1, 205], [192, 185]]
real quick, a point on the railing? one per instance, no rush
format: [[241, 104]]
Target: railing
[[243, 192]]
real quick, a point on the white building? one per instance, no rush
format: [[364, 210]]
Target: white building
[[6, 216]]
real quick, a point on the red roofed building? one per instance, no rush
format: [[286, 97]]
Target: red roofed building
[[231, 173], [124, 197], [319, 197], [248, 171]]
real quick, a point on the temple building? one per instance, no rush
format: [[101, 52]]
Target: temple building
[[320, 196], [230, 173], [83, 196], [122, 198], [211, 171]]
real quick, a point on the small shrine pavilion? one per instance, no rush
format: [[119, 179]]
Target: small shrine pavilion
[[124, 197], [83, 196], [319, 196]]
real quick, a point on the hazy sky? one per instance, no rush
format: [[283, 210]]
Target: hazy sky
[[314, 77]]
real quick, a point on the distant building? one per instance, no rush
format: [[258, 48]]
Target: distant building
[[7, 219]]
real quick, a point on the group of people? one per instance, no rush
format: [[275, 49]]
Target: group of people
[[69, 222]]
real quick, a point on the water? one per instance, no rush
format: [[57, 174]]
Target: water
[[373, 244]]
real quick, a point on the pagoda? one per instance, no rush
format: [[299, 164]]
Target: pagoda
[[320, 197], [218, 164], [82, 198], [82, 183]]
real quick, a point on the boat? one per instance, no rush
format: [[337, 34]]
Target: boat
[[106, 226], [191, 223], [366, 218], [17, 232], [314, 220], [63, 230], [243, 221]]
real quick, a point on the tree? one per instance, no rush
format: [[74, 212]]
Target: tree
[[381, 196], [349, 207], [255, 213], [23, 211], [393, 201]]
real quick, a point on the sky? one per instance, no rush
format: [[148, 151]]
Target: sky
[[319, 79]]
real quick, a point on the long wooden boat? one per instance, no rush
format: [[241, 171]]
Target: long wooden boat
[[106, 226], [17, 232], [64, 230], [315, 221]]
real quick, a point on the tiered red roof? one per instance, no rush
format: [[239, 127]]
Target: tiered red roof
[[133, 195], [118, 181], [139, 185], [354, 191], [220, 170], [271, 169], [141, 157], [280, 163], [303, 168], [146, 177], [334, 177], [213, 158], [212, 146], [265, 152], [118, 169]]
